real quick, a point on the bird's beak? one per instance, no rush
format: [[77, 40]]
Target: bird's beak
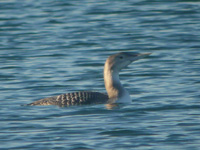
[[143, 55], [140, 56]]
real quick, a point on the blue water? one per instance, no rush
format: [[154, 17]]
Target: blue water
[[50, 47]]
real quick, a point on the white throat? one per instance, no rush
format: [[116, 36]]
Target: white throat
[[116, 92]]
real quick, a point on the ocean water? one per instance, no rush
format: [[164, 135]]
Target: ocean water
[[50, 47]]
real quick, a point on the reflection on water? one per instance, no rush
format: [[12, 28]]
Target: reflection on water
[[112, 106]]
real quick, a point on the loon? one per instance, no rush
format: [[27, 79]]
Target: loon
[[116, 93]]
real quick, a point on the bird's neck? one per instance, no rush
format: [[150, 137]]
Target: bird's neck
[[116, 92]]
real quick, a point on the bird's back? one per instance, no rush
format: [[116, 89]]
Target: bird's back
[[75, 98]]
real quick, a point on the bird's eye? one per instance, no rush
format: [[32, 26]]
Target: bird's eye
[[121, 57]]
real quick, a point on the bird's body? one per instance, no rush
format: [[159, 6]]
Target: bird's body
[[116, 93], [75, 98]]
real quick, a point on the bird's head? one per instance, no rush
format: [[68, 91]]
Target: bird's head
[[121, 60]]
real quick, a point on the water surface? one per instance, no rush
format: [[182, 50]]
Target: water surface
[[53, 47]]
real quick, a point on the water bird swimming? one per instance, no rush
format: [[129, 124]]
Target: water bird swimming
[[116, 93]]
